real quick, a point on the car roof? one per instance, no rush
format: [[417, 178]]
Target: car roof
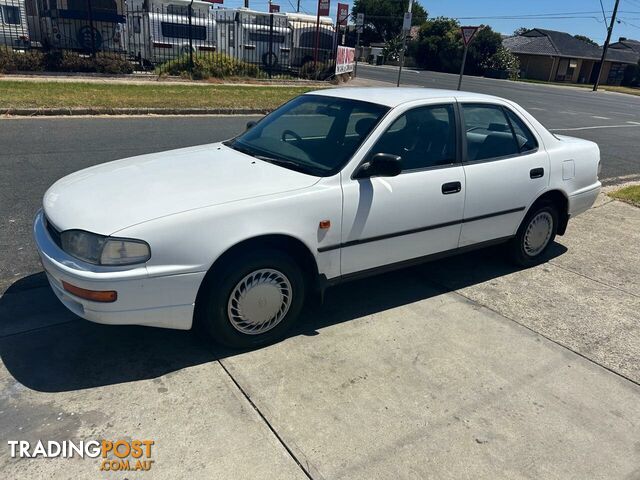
[[393, 96]]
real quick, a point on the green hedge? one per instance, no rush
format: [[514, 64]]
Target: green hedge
[[37, 61], [217, 65]]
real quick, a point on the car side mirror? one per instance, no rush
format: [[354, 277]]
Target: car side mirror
[[251, 124], [380, 165]]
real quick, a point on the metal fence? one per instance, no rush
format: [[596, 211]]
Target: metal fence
[[171, 35]]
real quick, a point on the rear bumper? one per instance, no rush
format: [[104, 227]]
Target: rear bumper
[[583, 199], [163, 301]]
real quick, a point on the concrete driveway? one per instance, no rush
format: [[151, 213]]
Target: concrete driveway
[[464, 368]]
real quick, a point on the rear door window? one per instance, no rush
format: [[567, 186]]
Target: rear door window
[[488, 133]]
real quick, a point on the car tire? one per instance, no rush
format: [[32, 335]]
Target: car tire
[[252, 300], [535, 234]]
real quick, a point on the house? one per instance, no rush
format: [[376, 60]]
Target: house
[[627, 44], [559, 57]]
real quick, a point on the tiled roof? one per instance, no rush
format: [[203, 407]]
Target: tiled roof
[[540, 41], [627, 44]]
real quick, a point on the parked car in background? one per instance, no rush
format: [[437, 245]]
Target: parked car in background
[[160, 30], [14, 30], [334, 185]]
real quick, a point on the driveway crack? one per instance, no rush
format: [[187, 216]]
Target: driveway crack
[[305, 469]]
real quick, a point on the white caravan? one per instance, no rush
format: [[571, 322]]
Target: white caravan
[[14, 31], [252, 37], [158, 30], [72, 25], [304, 32]]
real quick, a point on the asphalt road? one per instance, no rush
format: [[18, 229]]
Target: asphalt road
[[610, 119], [36, 152]]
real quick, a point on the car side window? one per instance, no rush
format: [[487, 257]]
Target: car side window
[[423, 137], [488, 132], [525, 139]]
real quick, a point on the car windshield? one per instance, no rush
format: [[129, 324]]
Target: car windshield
[[313, 134]]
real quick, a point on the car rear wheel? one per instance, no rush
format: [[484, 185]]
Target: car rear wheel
[[537, 231], [253, 300]]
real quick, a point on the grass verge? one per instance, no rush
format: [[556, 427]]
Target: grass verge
[[16, 94], [629, 194]]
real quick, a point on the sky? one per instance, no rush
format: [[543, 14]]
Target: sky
[[573, 16]]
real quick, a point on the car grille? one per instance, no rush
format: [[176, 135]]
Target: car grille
[[54, 233]]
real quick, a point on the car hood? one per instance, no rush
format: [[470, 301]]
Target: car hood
[[109, 197]]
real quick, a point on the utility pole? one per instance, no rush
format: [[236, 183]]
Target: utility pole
[[404, 40], [606, 44], [298, 7], [246, 3]]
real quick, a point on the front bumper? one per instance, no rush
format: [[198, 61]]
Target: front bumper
[[159, 301]]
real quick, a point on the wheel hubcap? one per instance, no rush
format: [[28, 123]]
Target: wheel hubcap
[[259, 301], [538, 233]]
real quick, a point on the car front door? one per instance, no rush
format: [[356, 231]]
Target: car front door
[[506, 168], [388, 220]]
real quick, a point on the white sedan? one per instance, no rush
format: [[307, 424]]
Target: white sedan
[[333, 185]]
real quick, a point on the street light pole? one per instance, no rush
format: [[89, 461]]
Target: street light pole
[[606, 45], [404, 44]]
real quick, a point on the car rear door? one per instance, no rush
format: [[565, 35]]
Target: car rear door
[[388, 220], [506, 168]]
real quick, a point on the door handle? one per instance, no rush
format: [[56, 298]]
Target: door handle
[[451, 187], [536, 172]]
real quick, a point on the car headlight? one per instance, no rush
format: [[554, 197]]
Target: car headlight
[[101, 250]]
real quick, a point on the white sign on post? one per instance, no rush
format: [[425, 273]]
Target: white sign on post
[[359, 22], [406, 22], [468, 33]]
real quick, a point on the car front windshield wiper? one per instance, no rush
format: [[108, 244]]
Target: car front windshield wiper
[[282, 162]]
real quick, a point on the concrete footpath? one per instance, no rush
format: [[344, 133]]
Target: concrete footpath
[[464, 368]]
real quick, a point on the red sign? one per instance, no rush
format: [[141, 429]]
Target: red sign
[[343, 14], [273, 8], [468, 33], [323, 7], [345, 59]]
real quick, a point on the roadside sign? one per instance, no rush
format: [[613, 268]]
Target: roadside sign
[[345, 59], [273, 8], [359, 22], [343, 14], [323, 7], [406, 22], [468, 33]]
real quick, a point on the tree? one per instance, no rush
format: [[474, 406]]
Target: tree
[[439, 47], [383, 18], [504, 60], [521, 30], [485, 43], [585, 39]]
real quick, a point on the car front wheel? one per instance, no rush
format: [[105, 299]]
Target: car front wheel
[[536, 233], [254, 299]]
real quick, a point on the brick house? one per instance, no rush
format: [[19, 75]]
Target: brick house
[[559, 57]]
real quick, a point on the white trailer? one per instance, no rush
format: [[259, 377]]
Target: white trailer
[[14, 30], [159, 30]]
